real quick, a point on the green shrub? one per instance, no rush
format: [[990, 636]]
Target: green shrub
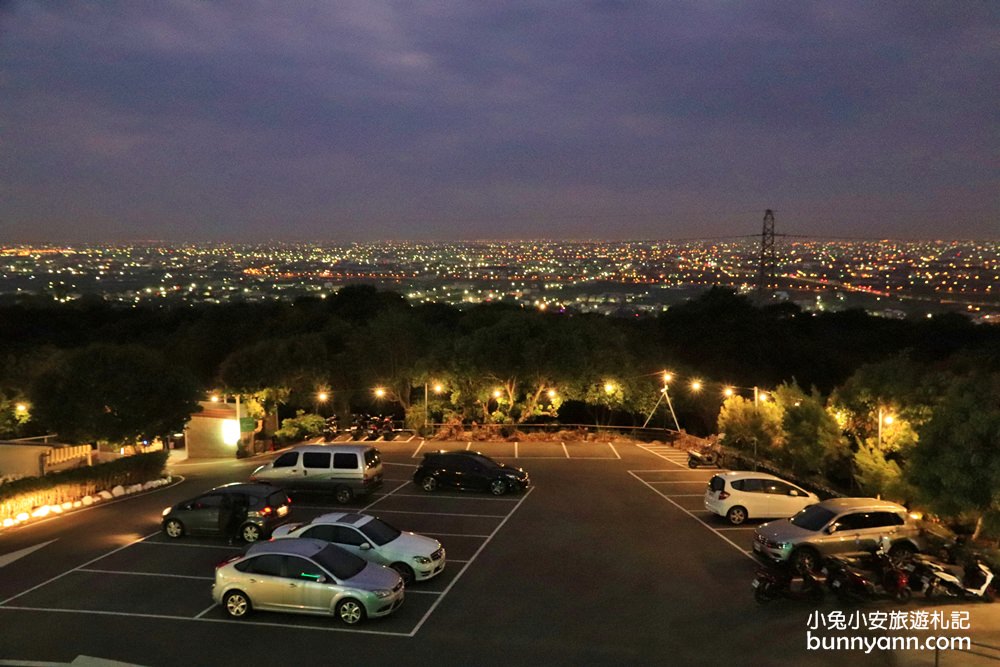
[[23, 495]]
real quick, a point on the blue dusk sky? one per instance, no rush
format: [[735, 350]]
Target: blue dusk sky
[[359, 121]]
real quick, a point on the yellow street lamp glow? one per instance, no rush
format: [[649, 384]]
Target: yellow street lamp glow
[[667, 377], [728, 391], [379, 392], [762, 396], [215, 398], [609, 388], [696, 386], [438, 389], [496, 393], [322, 396], [552, 393], [20, 407], [888, 419]]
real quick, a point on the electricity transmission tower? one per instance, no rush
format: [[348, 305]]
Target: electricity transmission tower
[[766, 265]]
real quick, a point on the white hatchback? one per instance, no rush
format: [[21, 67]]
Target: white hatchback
[[739, 496]]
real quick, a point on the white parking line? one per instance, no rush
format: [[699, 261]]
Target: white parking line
[[467, 564], [452, 534], [615, 451], [441, 497], [680, 481], [190, 544], [564, 449], [418, 449], [392, 463], [687, 495], [515, 449], [60, 576], [381, 498], [468, 446], [477, 516], [692, 515], [144, 574]]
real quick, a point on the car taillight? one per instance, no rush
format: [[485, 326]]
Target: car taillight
[[723, 495], [267, 510]]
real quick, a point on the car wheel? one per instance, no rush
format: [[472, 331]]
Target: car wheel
[[429, 484], [902, 553], [804, 558], [237, 604], [173, 528], [343, 495], [498, 487], [350, 611], [405, 571], [736, 515], [250, 532]]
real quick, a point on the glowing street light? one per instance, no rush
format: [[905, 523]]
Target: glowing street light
[[20, 408], [882, 419], [728, 391], [497, 394], [379, 392], [551, 394], [696, 386], [609, 388], [322, 396]]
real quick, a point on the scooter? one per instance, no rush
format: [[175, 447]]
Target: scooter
[[976, 581], [330, 429], [706, 457], [849, 580], [783, 581]]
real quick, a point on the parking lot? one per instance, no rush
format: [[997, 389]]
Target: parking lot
[[684, 488], [155, 576]]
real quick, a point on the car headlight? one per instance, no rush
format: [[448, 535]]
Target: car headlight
[[423, 560], [382, 593], [166, 510]]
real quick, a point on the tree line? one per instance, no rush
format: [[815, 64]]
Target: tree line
[[96, 372]]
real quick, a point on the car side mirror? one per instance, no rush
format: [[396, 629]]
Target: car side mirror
[[793, 492], [831, 529], [365, 546], [321, 579]]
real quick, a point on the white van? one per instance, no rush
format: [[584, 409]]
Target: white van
[[345, 471]]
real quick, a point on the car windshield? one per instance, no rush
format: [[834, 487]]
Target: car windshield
[[812, 518], [379, 531], [341, 564]]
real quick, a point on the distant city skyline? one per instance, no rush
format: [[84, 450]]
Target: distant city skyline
[[364, 121]]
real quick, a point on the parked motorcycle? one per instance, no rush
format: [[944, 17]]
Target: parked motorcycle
[[853, 579], [359, 427], [939, 580], [330, 429], [783, 581], [704, 457], [386, 428]]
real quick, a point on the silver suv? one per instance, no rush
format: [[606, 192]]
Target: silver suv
[[838, 526]]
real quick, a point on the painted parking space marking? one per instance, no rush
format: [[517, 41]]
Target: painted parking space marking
[[693, 513], [466, 544]]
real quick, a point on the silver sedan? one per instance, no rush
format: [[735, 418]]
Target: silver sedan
[[304, 576]]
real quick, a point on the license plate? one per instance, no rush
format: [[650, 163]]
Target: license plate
[[283, 510]]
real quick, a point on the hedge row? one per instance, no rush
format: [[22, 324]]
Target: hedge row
[[27, 493]]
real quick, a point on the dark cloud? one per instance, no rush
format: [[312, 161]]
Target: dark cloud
[[367, 120]]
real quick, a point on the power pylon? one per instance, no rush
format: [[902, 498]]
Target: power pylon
[[768, 258]]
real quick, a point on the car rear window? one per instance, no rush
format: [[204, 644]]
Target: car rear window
[[277, 499], [372, 458], [717, 483]]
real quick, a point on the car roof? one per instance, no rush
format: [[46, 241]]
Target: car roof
[[247, 488], [330, 447], [744, 474], [457, 452], [348, 518], [296, 546], [844, 504]]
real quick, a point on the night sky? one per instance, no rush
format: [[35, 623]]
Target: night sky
[[360, 121]]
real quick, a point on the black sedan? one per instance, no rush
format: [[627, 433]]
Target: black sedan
[[468, 470]]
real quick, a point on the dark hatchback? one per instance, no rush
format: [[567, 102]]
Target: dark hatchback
[[267, 508], [468, 470]]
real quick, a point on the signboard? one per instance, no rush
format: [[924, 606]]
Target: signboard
[[247, 424]]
